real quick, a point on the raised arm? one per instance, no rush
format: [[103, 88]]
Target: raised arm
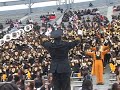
[[89, 53], [93, 48], [74, 43], [106, 51], [44, 41], [105, 47]]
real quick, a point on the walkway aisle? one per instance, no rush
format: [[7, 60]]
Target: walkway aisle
[[106, 85], [59, 20], [106, 80], [110, 13]]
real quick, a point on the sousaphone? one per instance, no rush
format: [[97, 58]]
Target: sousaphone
[[2, 41], [16, 34], [28, 28], [7, 37]]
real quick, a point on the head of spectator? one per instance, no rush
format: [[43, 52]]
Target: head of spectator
[[8, 86], [87, 85], [30, 86], [115, 86], [16, 79], [38, 81]]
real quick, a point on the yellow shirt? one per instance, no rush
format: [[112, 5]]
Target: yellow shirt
[[79, 74], [112, 67], [29, 75], [4, 77]]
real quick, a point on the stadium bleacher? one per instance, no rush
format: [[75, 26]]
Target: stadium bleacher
[[76, 80]]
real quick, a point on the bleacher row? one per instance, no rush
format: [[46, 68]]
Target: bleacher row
[[76, 81], [33, 16]]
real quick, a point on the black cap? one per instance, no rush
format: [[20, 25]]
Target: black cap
[[56, 33]]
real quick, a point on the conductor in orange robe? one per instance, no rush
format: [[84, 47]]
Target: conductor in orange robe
[[98, 57], [101, 48]]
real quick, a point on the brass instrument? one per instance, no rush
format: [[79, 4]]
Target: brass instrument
[[2, 41], [16, 34], [7, 37]]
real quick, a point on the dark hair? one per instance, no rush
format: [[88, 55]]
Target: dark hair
[[38, 83], [8, 86], [115, 86], [22, 84], [87, 85], [31, 85], [16, 78]]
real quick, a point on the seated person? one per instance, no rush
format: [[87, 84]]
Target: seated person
[[30, 86], [87, 85], [115, 86]]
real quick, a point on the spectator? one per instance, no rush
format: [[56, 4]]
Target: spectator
[[39, 83], [30, 86], [87, 85], [90, 5], [115, 86]]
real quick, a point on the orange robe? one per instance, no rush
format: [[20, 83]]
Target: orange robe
[[94, 49], [98, 65]]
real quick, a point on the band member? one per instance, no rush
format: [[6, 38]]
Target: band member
[[60, 65], [98, 57], [102, 48]]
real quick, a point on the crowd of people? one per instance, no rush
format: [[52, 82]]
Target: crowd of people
[[80, 13], [11, 23], [25, 58], [18, 23]]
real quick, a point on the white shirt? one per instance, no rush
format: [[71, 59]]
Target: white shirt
[[80, 32]]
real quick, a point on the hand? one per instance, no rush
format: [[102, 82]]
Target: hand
[[44, 39], [83, 53], [77, 38]]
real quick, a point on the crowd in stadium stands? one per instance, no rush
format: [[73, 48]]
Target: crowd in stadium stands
[[48, 17], [10, 21], [11, 24], [17, 23], [87, 86], [80, 13], [25, 59]]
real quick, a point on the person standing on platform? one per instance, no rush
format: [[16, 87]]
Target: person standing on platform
[[60, 65], [98, 57], [102, 48]]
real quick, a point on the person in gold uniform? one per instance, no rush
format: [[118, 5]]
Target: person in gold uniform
[[4, 77]]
